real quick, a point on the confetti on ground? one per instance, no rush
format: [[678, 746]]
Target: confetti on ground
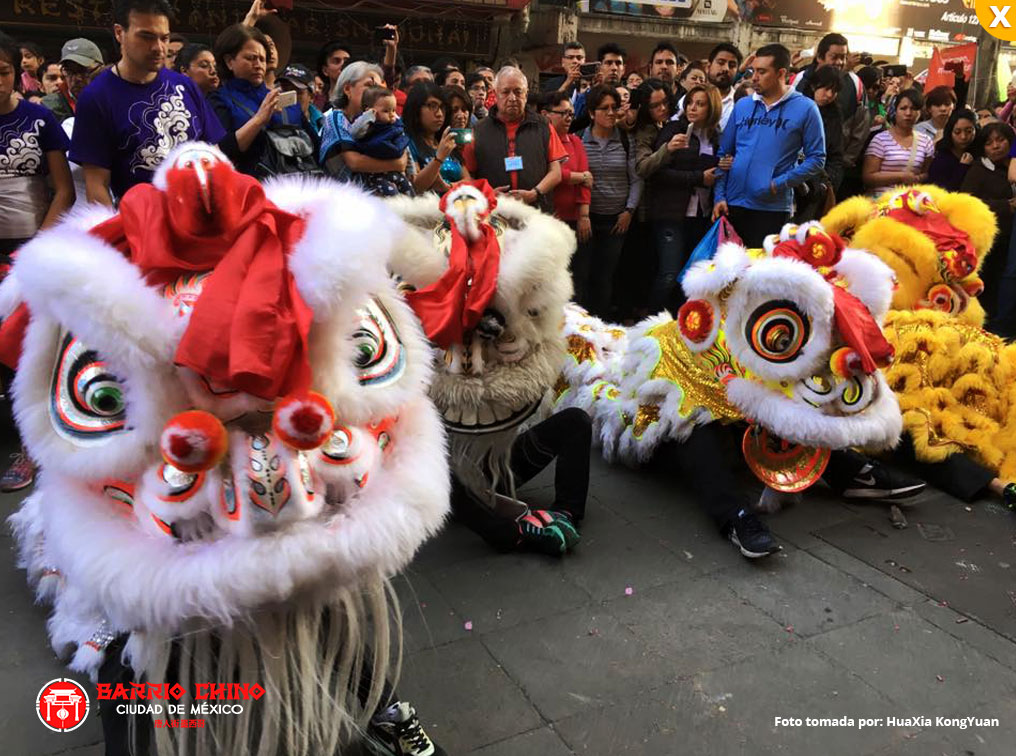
[[629, 591], [897, 518], [688, 555], [961, 620], [940, 678], [896, 628], [789, 628], [468, 625]]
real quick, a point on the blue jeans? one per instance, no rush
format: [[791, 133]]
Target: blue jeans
[[594, 264], [675, 239]]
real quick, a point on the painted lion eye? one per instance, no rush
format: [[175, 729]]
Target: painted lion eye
[[777, 331], [378, 353], [87, 401]]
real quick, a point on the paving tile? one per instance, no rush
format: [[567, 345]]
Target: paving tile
[[464, 700], [542, 742], [971, 632], [697, 625], [576, 660], [428, 620], [883, 582], [905, 664], [455, 543], [798, 682], [501, 590], [669, 720], [614, 555], [802, 592], [967, 558]]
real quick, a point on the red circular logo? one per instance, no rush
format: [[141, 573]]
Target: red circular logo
[[62, 705]]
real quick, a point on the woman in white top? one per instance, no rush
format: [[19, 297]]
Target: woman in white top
[[899, 156]]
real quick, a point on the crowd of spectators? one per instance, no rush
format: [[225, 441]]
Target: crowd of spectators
[[639, 162]]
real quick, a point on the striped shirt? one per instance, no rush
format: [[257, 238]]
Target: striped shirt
[[616, 184], [896, 158]]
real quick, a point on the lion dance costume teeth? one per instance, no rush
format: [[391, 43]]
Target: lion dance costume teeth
[[228, 400], [785, 338], [956, 383]]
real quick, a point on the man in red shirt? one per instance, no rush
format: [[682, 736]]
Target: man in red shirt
[[514, 149]]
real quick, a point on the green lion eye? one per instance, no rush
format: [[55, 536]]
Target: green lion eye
[[365, 353], [105, 398]]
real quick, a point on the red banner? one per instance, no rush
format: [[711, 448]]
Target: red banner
[[939, 75]]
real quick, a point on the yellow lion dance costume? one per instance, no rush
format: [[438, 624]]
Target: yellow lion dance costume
[[956, 383]]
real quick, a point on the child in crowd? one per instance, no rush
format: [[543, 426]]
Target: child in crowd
[[379, 134]]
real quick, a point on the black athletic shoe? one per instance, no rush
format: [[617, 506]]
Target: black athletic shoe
[[751, 536], [398, 729], [875, 481]]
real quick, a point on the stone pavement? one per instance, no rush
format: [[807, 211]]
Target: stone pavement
[[535, 656]]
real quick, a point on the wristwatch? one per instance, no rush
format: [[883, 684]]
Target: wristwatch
[[539, 194]]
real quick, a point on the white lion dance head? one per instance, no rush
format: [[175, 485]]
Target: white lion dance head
[[228, 402], [490, 279]]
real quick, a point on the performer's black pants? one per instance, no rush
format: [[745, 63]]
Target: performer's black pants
[[565, 437]]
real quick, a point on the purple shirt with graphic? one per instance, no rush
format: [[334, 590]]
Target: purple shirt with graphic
[[27, 133], [130, 128]]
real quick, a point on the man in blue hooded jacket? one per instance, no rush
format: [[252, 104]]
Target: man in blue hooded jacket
[[766, 134]]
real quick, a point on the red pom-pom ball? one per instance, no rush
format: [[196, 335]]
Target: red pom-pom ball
[[194, 441], [303, 421]]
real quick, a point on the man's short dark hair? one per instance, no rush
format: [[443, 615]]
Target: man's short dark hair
[[474, 78], [938, 96], [122, 10], [726, 47], [611, 48], [573, 45], [327, 50], [178, 37], [663, 46], [779, 54], [828, 41]]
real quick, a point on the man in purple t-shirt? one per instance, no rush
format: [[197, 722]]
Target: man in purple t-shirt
[[132, 115]]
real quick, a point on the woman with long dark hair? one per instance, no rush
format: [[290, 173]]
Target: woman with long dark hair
[[953, 156], [426, 116]]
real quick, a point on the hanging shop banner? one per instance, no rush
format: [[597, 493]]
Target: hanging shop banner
[[699, 11], [932, 20]]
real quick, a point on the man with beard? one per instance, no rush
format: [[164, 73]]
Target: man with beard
[[515, 149], [663, 64], [724, 60]]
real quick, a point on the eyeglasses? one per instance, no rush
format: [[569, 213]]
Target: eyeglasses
[[433, 106], [563, 113], [607, 109]]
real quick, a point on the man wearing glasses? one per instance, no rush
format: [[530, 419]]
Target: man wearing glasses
[[513, 148], [572, 59], [80, 60]]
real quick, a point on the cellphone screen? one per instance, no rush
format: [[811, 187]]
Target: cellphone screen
[[287, 99]]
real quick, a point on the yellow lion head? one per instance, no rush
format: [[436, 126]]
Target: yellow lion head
[[935, 242]]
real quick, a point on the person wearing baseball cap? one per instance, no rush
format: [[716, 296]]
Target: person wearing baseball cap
[[299, 79], [80, 60]]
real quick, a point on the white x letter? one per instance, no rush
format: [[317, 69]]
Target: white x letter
[[1000, 19]]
